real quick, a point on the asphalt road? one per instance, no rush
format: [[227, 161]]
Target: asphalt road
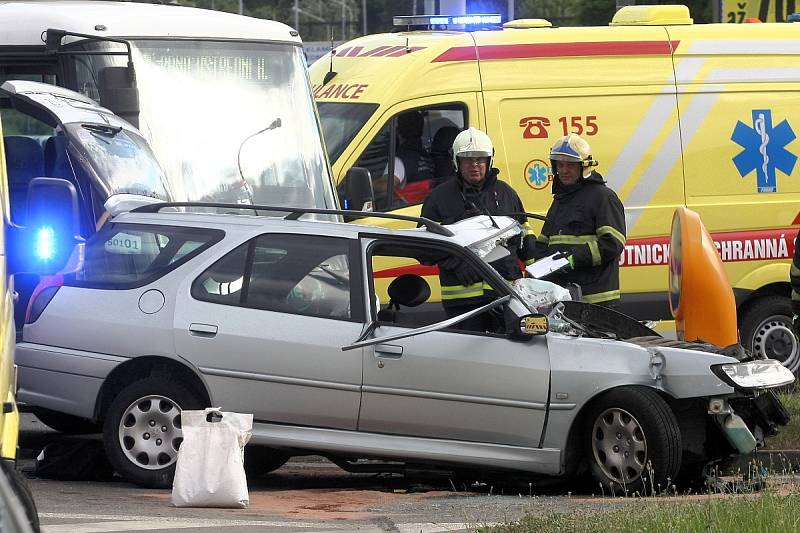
[[310, 494], [307, 494]]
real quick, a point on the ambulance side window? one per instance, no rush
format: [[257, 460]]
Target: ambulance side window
[[414, 148]]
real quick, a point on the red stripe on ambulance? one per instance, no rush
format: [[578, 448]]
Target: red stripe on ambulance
[[524, 51], [419, 270], [735, 246]]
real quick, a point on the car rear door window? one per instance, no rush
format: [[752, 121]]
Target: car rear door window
[[308, 275], [122, 256]]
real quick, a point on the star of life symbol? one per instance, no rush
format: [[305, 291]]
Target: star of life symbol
[[764, 149], [537, 174]]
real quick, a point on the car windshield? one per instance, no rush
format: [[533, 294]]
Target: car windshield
[[228, 121], [340, 124]]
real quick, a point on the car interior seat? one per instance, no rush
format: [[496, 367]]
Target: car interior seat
[[55, 158], [408, 290]]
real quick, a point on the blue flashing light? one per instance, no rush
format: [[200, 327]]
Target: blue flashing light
[[45, 244], [477, 19], [432, 21]]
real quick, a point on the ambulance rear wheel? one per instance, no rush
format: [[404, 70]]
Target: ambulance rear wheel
[[766, 328]]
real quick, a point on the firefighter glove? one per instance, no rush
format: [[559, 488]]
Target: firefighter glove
[[465, 274]]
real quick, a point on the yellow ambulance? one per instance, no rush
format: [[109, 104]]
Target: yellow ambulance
[[678, 114]]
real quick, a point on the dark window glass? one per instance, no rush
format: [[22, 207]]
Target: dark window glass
[[341, 121], [223, 281], [421, 140], [305, 275], [122, 256]]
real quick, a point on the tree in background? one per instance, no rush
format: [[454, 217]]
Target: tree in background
[[319, 19]]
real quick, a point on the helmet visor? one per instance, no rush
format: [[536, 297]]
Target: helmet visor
[[569, 158], [474, 153]]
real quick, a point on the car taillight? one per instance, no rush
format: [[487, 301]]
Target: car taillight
[[42, 295]]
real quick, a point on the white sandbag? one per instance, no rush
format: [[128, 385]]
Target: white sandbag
[[210, 466]]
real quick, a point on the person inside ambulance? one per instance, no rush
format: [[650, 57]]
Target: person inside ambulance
[[441, 151], [413, 165], [586, 222], [475, 190]]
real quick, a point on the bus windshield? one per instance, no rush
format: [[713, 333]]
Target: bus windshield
[[228, 121]]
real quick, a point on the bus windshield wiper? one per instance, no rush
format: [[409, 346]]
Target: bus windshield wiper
[[102, 128]]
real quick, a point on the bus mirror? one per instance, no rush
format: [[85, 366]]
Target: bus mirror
[[53, 40], [118, 92], [46, 244], [358, 193]]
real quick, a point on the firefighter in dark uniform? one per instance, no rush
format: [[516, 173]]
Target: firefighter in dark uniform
[[475, 190], [586, 221]]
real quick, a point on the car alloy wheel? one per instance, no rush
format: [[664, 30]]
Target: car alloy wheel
[[142, 430], [619, 445], [150, 432], [632, 441]]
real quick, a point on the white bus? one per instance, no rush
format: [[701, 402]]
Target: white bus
[[223, 100]]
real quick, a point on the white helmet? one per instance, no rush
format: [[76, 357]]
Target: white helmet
[[573, 149], [472, 142]]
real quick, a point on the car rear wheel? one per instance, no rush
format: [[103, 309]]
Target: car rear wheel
[[67, 424], [142, 430], [633, 442], [766, 329]]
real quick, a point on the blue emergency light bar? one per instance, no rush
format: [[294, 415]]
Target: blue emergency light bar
[[445, 21]]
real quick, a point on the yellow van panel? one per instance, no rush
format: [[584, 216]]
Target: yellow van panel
[[9, 422], [705, 116]]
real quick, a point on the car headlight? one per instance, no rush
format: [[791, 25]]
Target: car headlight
[[766, 373]]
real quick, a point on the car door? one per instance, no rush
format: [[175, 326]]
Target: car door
[[449, 384], [265, 325]]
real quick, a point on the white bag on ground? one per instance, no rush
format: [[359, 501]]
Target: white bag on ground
[[210, 467]]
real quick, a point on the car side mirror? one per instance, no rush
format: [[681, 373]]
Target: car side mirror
[[118, 92], [52, 235], [531, 325], [357, 191]]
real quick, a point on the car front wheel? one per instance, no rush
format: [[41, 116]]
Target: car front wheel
[[632, 441], [142, 430]]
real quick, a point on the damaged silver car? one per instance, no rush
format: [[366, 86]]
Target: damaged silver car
[[334, 336]]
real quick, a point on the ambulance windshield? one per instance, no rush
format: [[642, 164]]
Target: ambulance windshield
[[340, 124], [200, 101]]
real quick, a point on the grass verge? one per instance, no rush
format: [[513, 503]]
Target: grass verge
[[789, 437], [771, 511]]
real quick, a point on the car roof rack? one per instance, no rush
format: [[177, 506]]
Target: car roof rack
[[295, 213]]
